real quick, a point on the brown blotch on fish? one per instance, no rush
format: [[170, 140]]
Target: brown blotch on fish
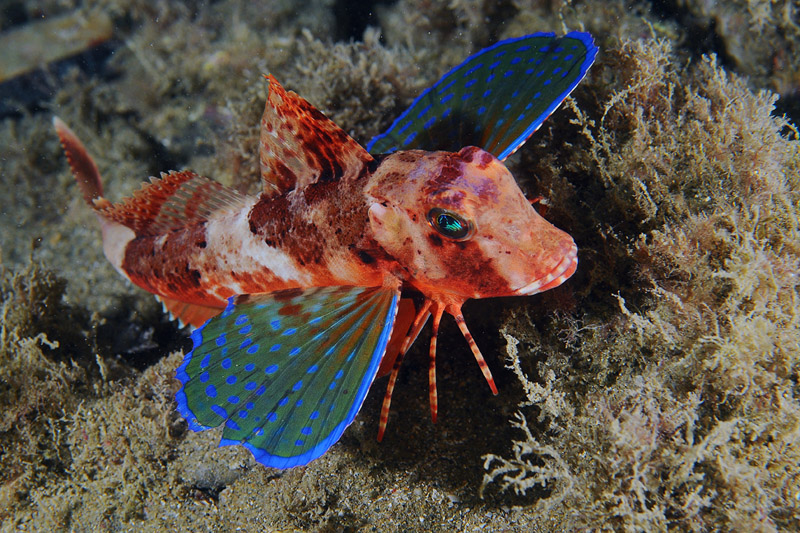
[[365, 257], [467, 261], [164, 264], [286, 178], [290, 310], [470, 153], [288, 294]]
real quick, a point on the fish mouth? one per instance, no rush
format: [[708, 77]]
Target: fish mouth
[[562, 271]]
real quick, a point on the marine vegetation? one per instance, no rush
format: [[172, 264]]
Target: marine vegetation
[[657, 389]]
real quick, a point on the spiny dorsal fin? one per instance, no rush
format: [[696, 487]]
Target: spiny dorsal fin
[[300, 145], [171, 202]]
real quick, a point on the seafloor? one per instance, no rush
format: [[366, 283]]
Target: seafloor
[[656, 390]]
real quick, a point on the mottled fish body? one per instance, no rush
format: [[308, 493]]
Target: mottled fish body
[[302, 295]]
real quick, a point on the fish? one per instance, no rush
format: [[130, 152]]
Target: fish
[[301, 296]]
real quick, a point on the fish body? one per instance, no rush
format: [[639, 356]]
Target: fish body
[[263, 244], [303, 294]]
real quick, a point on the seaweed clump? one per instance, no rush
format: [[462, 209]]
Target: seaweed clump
[[36, 389], [754, 30], [74, 424], [667, 397]]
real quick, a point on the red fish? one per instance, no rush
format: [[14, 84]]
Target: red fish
[[303, 294]]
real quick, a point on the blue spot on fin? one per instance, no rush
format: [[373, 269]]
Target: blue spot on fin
[[284, 393], [496, 130]]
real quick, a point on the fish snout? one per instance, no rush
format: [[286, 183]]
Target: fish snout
[[560, 269]]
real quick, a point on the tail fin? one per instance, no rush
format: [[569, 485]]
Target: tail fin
[[115, 236], [83, 167]]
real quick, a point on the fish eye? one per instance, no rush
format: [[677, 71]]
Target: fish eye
[[450, 224]]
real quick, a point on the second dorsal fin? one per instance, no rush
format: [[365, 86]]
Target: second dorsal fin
[[171, 202], [300, 145]]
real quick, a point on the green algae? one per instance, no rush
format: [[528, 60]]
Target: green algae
[[657, 389]]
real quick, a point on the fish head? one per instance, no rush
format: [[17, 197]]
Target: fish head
[[459, 227]]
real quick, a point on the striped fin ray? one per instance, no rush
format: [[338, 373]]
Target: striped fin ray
[[495, 99], [287, 372], [175, 200]]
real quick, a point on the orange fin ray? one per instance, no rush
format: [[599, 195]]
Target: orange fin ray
[[300, 145], [432, 394], [194, 315], [475, 351], [404, 319], [419, 322], [171, 202]]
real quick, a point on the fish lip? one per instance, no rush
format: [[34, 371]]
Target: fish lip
[[562, 271]]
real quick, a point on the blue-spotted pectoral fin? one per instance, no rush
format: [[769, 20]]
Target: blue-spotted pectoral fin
[[287, 372], [495, 99]]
